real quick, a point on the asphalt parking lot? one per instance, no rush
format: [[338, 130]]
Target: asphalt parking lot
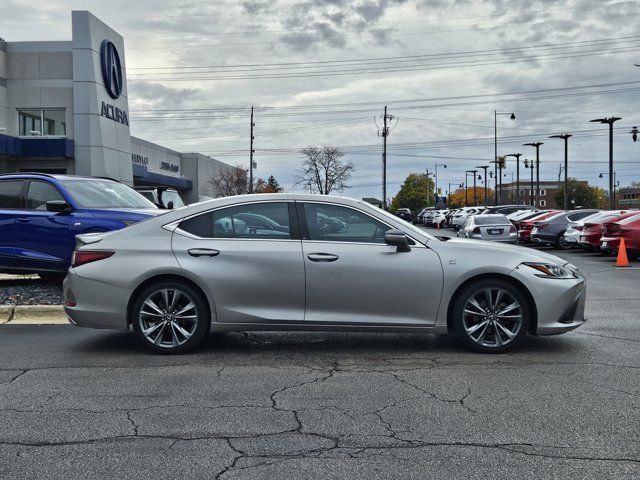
[[77, 403]]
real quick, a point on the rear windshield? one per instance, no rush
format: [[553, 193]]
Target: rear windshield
[[631, 219], [491, 220]]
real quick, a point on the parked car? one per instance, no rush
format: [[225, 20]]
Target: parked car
[[420, 217], [439, 218], [460, 218], [550, 231], [162, 197], [174, 278], [493, 226], [627, 228], [505, 209], [520, 214], [525, 226], [41, 214], [405, 214], [593, 229]]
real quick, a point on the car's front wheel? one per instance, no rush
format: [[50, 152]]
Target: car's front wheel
[[491, 316], [170, 317]]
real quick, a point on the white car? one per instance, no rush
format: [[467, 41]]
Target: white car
[[439, 218], [460, 218]]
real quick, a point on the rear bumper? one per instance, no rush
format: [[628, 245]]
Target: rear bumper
[[97, 304], [544, 237]]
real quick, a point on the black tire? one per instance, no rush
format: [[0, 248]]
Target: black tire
[[54, 277], [562, 244], [198, 327], [458, 317]]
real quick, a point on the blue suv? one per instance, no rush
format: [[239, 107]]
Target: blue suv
[[40, 215]]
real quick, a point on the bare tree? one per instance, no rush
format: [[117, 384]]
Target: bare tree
[[230, 181], [324, 168]]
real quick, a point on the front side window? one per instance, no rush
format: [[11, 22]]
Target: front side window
[[40, 193], [268, 221], [342, 224], [96, 193], [10, 194]]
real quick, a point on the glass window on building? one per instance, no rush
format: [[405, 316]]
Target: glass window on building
[[30, 121], [54, 122], [47, 122]]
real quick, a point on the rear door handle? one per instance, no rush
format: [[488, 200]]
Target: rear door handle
[[322, 257], [23, 219], [203, 252]]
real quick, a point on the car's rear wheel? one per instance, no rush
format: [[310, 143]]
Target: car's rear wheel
[[563, 244], [170, 317], [491, 316]]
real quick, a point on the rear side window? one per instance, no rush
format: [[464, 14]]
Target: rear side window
[[40, 193], [10, 194], [579, 215], [258, 221]]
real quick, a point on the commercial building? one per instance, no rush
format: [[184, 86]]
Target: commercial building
[[628, 197], [544, 198], [64, 108]]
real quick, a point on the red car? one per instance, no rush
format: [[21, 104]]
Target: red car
[[592, 231], [525, 227], [627, 228]]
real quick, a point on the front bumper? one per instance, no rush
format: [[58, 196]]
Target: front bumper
[[559, 302], [93, 304]]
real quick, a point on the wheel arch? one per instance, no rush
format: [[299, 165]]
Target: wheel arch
[[533, 325], [168, 277]]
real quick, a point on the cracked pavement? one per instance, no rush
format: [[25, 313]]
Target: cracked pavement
[[78, 403]]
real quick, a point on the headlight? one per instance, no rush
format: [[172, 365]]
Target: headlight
[[129, 222], [549, 270]]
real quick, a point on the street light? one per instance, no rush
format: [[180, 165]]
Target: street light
[[486, 181], [537, 145], [474, 173], [530, 165], [633, 132], [435, 192], [517, 157], [565, 137], [609, 121], [512, 116], [615, 183]]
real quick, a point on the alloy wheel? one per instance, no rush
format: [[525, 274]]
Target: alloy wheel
[[492, 317], [168, 317]]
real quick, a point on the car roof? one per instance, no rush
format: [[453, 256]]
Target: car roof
[[55, 176]]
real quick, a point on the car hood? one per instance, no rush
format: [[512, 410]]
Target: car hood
[[525, 254]]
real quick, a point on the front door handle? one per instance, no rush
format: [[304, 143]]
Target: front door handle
[[203, 252], [322, 257], [23, 219]]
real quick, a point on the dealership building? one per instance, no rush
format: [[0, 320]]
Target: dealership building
[[64, 108]]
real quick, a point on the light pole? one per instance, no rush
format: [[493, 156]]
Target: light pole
[[517, 157], [565, 137], [435, 191], [530, 165], [474, 173], [610, 121], [466, 199], [512, 116], [486, 181], [537, 146]]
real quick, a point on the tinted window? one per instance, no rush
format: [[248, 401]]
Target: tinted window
[[257, 220], [10, 193], [579, 215], [40, 193], [342, 224]]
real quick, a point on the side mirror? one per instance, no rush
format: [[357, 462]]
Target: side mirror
[[398, 239], [58, 206], [170, 205]]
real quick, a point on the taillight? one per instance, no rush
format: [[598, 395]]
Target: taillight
[[82, 257], [512, 229]]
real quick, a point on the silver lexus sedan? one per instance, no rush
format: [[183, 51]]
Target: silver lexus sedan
[[310, 262]]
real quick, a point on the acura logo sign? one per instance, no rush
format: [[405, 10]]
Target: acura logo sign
[[111, 69]]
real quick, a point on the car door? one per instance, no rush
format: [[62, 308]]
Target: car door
[[254, 275], [10, 205], [353, 277], [44, 238]]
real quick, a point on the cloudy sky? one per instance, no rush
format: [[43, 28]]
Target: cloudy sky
[[320, 72]]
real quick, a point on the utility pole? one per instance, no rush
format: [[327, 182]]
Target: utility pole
[[512, 116], [610, 121], [530, 165], [486, 180], [466, 199], [474, 173], [537, 146], [384, 134], [251, 152], [517, 157]]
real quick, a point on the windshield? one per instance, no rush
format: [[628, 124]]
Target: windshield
[[98, 193], [172, 196]]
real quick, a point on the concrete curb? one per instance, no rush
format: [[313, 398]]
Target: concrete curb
[[33, 315]]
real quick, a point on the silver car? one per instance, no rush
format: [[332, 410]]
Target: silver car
[[320, 263], [492, 226]]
